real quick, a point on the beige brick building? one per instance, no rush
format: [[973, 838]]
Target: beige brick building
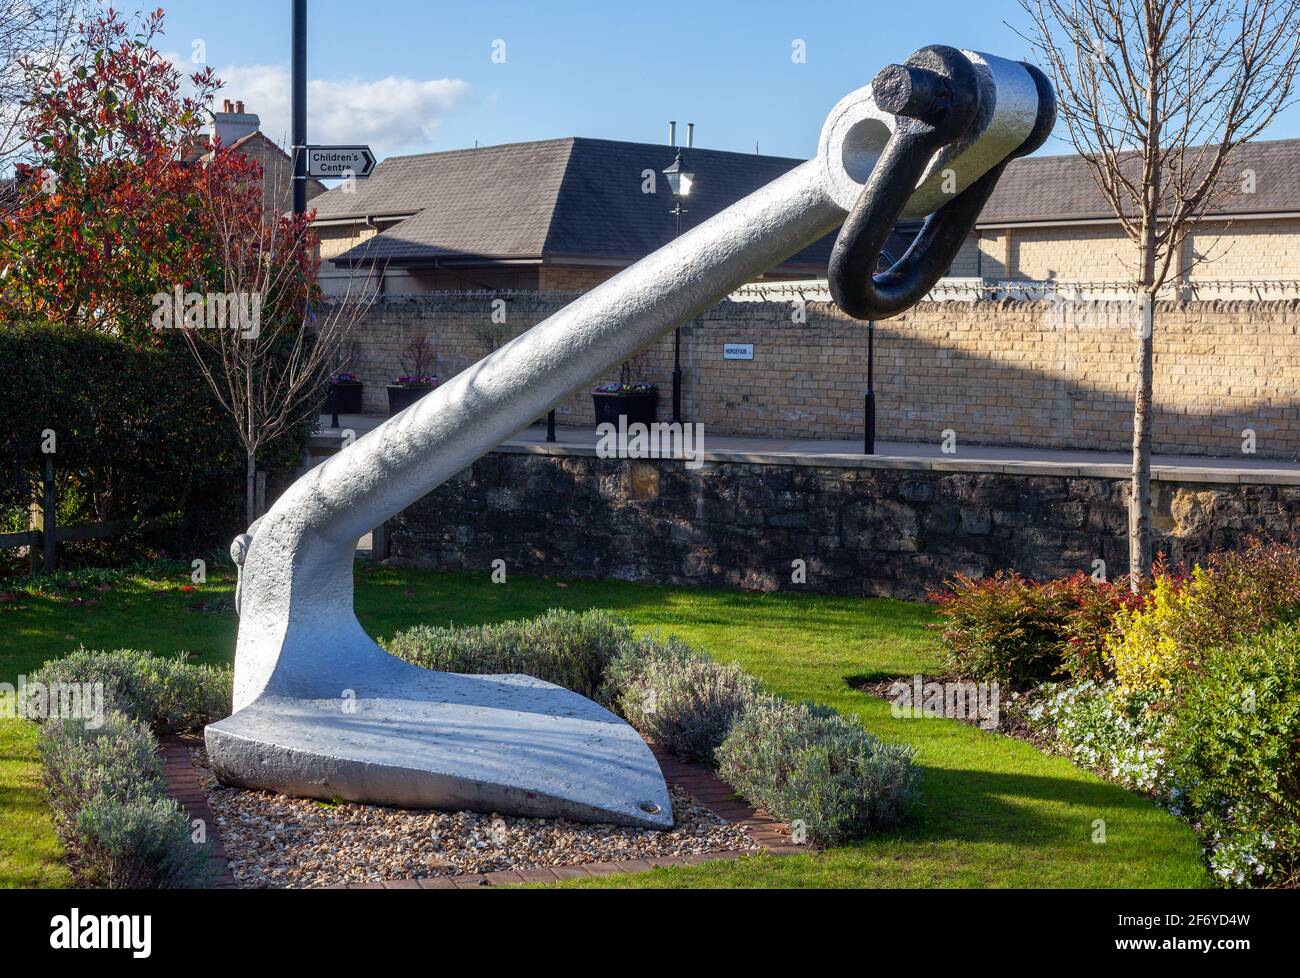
[[565, 214], [1047, 221], [1059, 373]]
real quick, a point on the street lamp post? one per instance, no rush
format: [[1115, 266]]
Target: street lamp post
[[299, 111], [680, 181], [883, 264], [869, 399]]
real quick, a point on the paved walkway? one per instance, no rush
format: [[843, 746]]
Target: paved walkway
[[904, 455]]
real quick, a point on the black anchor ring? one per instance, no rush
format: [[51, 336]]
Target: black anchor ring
[[934, 97]]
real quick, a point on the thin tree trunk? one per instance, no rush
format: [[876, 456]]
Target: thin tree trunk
[[1139, 527], [250, 489]]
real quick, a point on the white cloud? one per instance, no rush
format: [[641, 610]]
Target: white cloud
[[393, 115]]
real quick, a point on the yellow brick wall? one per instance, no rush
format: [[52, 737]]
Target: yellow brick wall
[[1247, 250], [561, 279], [967, 262], [336, 239], [993, 256], [1009, 373], [1241, 250], [1078, 254]]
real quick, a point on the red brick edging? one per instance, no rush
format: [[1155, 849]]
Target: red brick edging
[[769, 834], [183, 785]]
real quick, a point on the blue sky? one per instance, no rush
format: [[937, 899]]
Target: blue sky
[[419, 75]]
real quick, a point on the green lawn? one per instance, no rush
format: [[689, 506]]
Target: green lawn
[[993, 812], [29, 853]]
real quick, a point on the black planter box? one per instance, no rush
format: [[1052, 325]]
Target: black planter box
[[401, 397], [635, 407], [347, 397]]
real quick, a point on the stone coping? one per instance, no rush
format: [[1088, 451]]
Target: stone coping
[[769, 834], [1095, 470], [1029, 462]]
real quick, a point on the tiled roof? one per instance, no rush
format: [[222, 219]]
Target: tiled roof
[[577, 198], [1061, 188], [560, 198]]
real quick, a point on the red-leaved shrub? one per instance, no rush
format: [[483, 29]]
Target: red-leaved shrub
[[1012, 629]]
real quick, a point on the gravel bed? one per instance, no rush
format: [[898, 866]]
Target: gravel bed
[[273, 841]]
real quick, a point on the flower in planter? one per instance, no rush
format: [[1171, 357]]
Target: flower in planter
[[345, 378], [625, 384], [638, 388], [415, 357]]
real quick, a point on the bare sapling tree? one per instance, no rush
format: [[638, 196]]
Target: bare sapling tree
[[35, 38], [263, 338], [1158, 96]]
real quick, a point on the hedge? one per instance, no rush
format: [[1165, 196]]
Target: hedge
[[137, 434], [104, 776]]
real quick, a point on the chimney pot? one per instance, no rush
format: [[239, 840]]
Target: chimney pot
[[672, 133], [690, 135], [234, 124]]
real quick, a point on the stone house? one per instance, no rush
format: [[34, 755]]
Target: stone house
[[237, 129], [555, 215]]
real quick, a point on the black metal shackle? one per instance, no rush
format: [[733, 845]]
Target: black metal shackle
[[935, 99]]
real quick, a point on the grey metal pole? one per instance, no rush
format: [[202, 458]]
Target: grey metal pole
[[299, 107]]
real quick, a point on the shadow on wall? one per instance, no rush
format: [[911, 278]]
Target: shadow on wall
[[1037, 374]]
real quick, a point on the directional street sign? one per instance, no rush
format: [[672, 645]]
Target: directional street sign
[[339, 162]]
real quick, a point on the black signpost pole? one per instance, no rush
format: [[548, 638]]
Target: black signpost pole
[[299, 107]]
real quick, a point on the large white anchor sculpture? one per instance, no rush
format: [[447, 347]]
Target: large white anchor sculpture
[[321, 711]]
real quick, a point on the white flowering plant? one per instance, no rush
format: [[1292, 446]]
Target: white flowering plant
[[1120, 737]]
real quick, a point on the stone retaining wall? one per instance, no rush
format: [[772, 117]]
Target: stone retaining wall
[[860, 530], [1034, 374]]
